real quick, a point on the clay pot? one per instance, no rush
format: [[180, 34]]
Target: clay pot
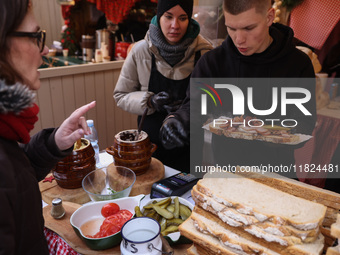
[[132, 154], [70, 171]]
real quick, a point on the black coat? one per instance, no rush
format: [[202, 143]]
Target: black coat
[[21, 168], [280, 60]]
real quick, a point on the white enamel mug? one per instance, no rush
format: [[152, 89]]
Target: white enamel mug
[[141, 236]]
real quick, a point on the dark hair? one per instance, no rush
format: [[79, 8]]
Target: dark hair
[[235, 7], [12, 13]]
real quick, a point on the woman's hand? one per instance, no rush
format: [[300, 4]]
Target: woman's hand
[[73, 128]]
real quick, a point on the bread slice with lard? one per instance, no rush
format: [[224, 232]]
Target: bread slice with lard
[[196, 249], [208, 242], [322, 196], [256, 232], [260, 199], [236, 237], [242, 218], [335, 232], [333, 250], [335, 228], [266, 133]]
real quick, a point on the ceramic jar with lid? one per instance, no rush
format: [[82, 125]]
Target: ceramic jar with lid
[[131, 151], [70, 171]]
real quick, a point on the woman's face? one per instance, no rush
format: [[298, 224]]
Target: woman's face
[[25, 55], [174, 23]]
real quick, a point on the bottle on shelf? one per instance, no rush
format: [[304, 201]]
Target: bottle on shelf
[[93, 138]]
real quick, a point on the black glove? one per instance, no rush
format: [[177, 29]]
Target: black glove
[[173, 106], [158, 101], [173, 134]]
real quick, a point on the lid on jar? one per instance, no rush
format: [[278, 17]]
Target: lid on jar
[[57, 201]]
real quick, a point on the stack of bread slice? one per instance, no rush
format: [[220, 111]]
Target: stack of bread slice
[[237, 215], [328, 198], [335, 232]]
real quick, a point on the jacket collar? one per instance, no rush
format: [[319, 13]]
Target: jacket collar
[[15, 98]]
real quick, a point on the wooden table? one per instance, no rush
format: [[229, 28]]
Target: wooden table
[[72, 200], [64, 229], [51, 190]]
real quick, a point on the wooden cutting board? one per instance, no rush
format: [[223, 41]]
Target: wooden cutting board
[[51, 190], [144, 182], [64, 229]]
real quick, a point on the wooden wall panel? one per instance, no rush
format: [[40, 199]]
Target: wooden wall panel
[[100, 108], [61, 94], [57, 100], [79, 89], [49, 17], [68, 94], [46, 109]]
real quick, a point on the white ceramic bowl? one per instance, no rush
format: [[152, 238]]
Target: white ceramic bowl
[[174, 237], [92, 211]]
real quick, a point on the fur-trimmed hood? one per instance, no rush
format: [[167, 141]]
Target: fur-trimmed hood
[[15, 98]]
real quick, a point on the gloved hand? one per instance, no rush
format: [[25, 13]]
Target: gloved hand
[[158, 101], [174, 106], [173, 134]]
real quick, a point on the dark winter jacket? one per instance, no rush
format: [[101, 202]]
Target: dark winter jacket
[[21, 168], [280, 60]]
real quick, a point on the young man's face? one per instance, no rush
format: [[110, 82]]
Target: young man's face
[[249, 30]]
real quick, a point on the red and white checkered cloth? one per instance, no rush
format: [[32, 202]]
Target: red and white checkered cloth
[[57, 245], [314, 20]]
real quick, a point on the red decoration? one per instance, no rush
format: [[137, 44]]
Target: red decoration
[[49, 179], [115, 11]]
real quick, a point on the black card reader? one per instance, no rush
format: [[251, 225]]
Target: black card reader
[[175, 185]]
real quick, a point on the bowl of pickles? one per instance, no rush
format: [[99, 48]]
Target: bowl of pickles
[[170, 212]]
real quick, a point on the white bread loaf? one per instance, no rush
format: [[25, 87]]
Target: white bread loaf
[[260, 199], [227, 237], [335, 228], [196, 249], [328, 198], [245, 220], [333, 250], [208, 242], [239, 239], [335, 232], [192, 250]]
